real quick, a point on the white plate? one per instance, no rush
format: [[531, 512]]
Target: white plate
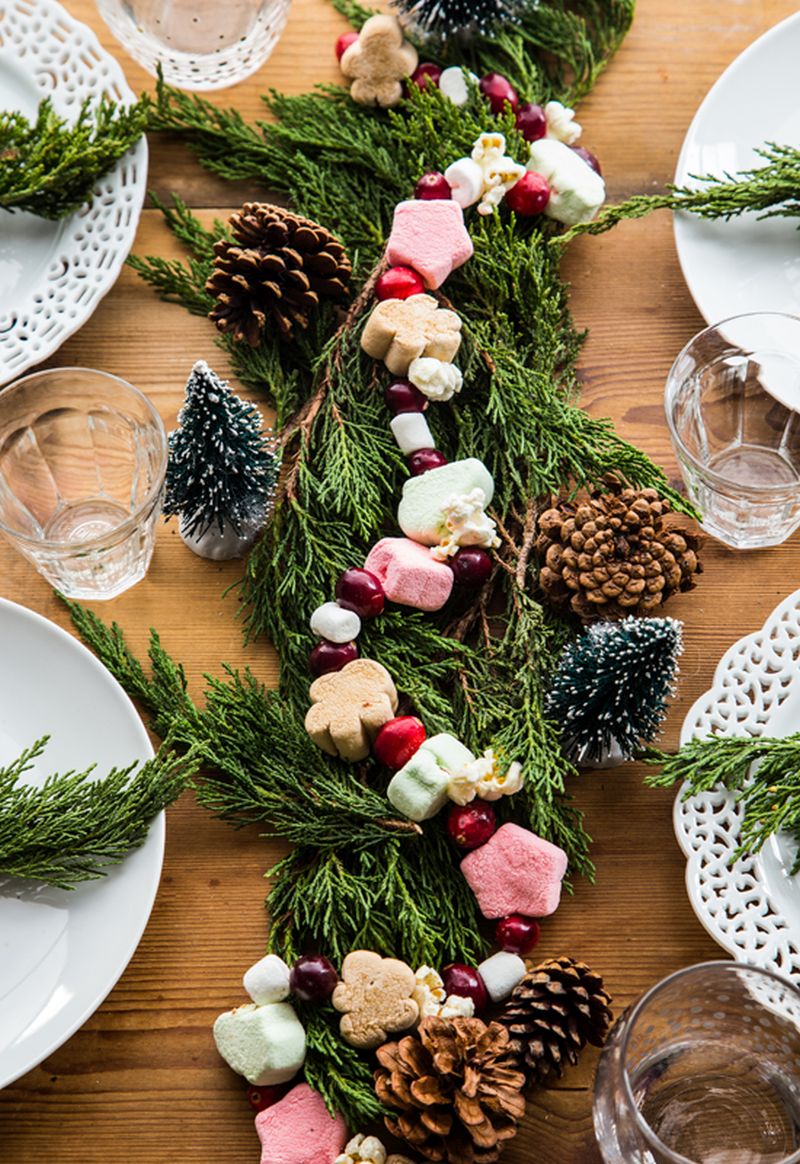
[[744, 265], [752, 908], [61, 952], [53, 274]]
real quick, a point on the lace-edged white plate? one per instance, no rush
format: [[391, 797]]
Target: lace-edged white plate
[[53, 274], [751, 907]]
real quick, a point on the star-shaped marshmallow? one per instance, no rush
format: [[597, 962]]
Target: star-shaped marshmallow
[[430, 237]]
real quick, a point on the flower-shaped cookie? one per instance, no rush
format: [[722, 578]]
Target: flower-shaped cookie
[[400, 330], [374, 997], [378, 62], [349, 707]]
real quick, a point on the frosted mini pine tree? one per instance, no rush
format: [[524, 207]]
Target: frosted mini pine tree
[[221, 471]]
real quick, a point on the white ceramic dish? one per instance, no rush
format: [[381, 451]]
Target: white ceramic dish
[[752, 908], [61, 952], [53, 274], [744, 265]]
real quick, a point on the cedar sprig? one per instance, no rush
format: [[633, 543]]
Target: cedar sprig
[[763, 772], [51, 166], [74, 826]]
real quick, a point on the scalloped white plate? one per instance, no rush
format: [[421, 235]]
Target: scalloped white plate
[[740, 266], [53, 274], [62, 952], [752, 908]]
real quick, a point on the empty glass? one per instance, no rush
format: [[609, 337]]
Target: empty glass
[[733, 409], [704, 1069], [82, 463], [199, 44]]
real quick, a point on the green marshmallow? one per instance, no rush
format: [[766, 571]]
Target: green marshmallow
[[448, 752], [419, 788], [420, 513], [266, 1044]]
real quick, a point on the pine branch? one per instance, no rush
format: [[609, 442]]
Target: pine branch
[[763, 772], [50, 167], [73, 827], [341, 1074]]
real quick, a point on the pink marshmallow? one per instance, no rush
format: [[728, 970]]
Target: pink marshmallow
[[429, 236], [409, 575], [298, 1129], [516, 872]]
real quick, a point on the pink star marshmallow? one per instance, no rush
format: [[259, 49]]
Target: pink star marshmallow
[[516, 872], [298, 1129], [429, 236]]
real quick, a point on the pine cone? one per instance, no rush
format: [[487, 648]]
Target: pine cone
[[552, 1014], [608, 554], [457, 1088], [277, 270]]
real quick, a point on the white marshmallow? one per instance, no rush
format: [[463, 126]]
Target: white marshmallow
[[465, 177], [268, 980], [576, 191], [501, 973], [332, 622], [266, 1044], [411, 431], [453, 83]]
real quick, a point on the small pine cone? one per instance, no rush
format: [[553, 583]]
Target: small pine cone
[[615, 551], [456, 1088], [552, 1014], [275, 271]]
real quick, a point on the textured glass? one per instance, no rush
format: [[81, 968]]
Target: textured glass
[[733, 408], [82, 462], [705, 1069]]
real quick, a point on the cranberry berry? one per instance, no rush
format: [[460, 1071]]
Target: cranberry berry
[[528, 196], [499, 92], [588, 157], [398, 740], [361, 591], [398, 283], [531, 121], [517, 934], [313, 978], [344, 42], [403, 396], [260, 1098], [466, 982], [422, 460], [471, 566], [433, 187], [426, 74], [327, 657], [470, 825]]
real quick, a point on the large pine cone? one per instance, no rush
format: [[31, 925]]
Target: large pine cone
[[552, 1014], [276, 271], [615, 551], [457, 1087]]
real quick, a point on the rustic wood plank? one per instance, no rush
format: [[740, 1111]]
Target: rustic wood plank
[[141, 1080]]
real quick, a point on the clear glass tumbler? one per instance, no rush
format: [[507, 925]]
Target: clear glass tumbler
[[704, 1069], [733, 409], [199, 44], [82, 463]]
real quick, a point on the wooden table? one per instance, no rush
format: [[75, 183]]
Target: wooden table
[[141, 1082]]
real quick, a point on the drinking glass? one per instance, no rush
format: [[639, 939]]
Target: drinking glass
[[199, 44], [82, 463], [733, 409], [704, 1069]]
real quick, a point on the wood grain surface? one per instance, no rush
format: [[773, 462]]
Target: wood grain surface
[[141, 1082]]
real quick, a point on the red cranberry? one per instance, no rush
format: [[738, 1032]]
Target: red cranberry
[[361, 591], [497, 91], [398, 740], [471, 825], [471, 566], [433, 187], [327, 656], [313, 978], [424, 459], [516, 933], [260, 1098], [529, 195], [403, 396], [344, 42], [399, 283], [426, 74], [588, 157], [531, 121], [466, 982]]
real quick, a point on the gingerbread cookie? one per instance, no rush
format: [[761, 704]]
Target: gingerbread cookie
[[348, 708], [378, 62], [400, 330], [374, 997]]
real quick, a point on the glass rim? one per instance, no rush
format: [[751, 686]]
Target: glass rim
[[670, 392], [130, 522], [630, 1020]]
